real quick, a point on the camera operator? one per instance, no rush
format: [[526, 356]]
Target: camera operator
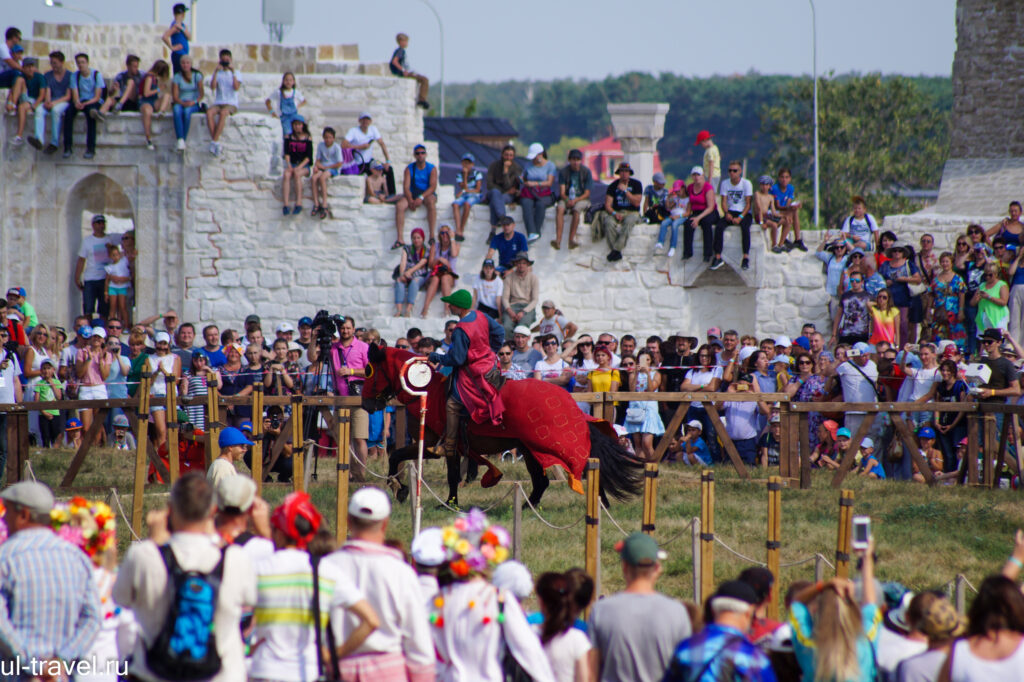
[[348, 358], [10, 390]]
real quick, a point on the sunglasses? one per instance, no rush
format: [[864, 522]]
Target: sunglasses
[[505, 353], [734, 170], [998, 246], [856, 281], [584, 344], [403, 347], [420, 154], [805, 362], [551, 343], [856, 255], [627, 365]]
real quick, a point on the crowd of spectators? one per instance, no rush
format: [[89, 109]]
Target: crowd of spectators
[[273, 594]]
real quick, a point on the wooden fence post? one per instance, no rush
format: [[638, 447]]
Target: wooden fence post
[[843, 537], [517, 522], [341, 502], [17, 445], [142, 441], [173, 426], [592, 543], [804, 439], [707, 535], [960, 593], [257, 436], [650, 497], [973, 436], [212, 420], [298, 449], [695, 526], [784, 440], [988, 422], [774, 538]]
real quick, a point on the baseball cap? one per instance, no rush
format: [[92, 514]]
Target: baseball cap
[[548, 304], [18, 48], [29, 61], [783, 341], [469, 157], [734, 595], [292, 345], [701, 136], [941, 620], [845, 432], [120, 421], [697, 170], [715, 332], [862, 347], [100, 332], [162, 337], [31, 495], [236, 494], [369, 504], [803, 342], [180, 8], [658, 178], [427, 548], [765, 180], [364, 114], [513, 576], [992, 335], [694, 424], [489, 261], [781, 360], [307, 321], [419, 147], [775, 420], [232, 436], [285, 327], [521, 329], [926, 432], [746, 352], [245, 426], [620, 430], [251, 318], [676, 186], [99, 218], [867, 443], [640, 549], [75, 423], [85, 331]]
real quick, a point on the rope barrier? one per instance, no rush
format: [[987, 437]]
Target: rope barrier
[[798, 562], [968, 583], [545, 521], [686, 530], [612, 518], [28, 471], [741, 556], [124, 517]]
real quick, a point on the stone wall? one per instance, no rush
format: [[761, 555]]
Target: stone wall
[[988, 75]]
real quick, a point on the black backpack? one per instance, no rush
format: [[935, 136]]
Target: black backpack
[[186, 648]]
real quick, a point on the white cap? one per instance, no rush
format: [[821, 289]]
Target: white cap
[[162, 336], [867, 443], [100, 332], [370, 504], [780, 359], [535, 149], [944, 344], [783, 341], [285, 327], [292, 345], [238, 492], [694, 424], [514, 577], [697, 170], [521, 329], [428, 548], [746, 352]]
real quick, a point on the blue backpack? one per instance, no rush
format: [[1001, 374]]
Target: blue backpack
[[186, 648]]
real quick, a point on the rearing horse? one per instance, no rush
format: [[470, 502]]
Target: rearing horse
[[541, 420]]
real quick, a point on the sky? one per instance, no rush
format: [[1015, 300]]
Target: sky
[[541, 40]]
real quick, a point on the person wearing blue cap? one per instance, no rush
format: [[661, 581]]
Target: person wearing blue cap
[[233, 445], [10, 69], [469, 190], [926, 442]]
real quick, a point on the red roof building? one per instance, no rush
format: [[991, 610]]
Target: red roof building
[[603, 156]]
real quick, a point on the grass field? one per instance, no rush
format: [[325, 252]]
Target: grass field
[[924, 536]]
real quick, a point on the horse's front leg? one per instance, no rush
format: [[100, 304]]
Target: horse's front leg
[[538, 479]]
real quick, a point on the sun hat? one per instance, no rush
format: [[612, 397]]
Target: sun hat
[[624, 167], [232, 436], [535, 150], [369, 504], [427, 549], [120, 421], [941, 620], [701, 136], [640, 549], [460, 299], [473, 546], [521, 256]]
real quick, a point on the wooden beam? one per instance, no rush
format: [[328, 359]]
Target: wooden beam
[[257, 437], [846, 463], [907, 436], [670, 431], [87, 440], [804, 433], [730, 447]]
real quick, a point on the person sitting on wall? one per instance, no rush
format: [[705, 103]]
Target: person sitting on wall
[[225, 84], [87, 86], [125, 88], [621, 211], [575, 182], [504, 179], [400, 67], [419, 188], [469, 190]]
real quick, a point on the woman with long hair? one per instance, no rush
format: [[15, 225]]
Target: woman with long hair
[[604, 378], [885, 320], [993, 648], [411, 274], [194, 383], [552, 368], [92, 367], [947, 315], [298, 162], [706, 378], [991, 299], [580, 355], [642, 419], [961, 255], [950, 427], [443, 266], [187, 93], [168, 368], [36, 351], [538, 190], [807, 387], [488, 289], [976, 235], [833, 635], [565, 646], [149, 98]]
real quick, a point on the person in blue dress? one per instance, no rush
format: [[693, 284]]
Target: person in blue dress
[[642, 419]]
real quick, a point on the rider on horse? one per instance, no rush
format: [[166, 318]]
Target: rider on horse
[[475, 379]]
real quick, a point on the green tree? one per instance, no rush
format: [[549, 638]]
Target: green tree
[[877, 136]]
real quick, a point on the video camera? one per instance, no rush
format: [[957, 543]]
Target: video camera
[[326, 325]]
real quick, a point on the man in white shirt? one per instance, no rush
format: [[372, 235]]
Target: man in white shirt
[[555, 323], [859, 377], [737, 198], [401, 648], [225, 84], [90, 275], [143, 582]]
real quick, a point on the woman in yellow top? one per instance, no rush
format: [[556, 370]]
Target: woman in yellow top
[[885, 319], [605, 377]]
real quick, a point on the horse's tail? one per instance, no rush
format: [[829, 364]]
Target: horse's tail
[[622, 476]]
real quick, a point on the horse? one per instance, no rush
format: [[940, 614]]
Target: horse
[[541, 421]]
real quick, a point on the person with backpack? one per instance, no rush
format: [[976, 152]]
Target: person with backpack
[[87, 90], [861, 227], [187, 594], [297, 596]]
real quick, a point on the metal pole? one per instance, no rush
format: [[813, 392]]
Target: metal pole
[[156, 11], [817, 161], [194, 38], [440, 28], [419, 468]]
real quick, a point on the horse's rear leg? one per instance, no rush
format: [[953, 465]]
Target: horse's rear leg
[[454, 470], [538, 480]]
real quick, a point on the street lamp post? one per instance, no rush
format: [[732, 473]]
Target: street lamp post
[[817, 164], [440, 28], [60, 5]]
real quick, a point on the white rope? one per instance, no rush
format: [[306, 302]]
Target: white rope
[[612, 518], [741, 556], [545, 521], [686, 529], [127, 523], [968, 583], [798, 562], [443, 503], [352, 453], [28, 470]]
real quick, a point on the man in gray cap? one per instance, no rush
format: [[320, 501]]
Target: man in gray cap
[[401, 648], [90, 275], [48, 605]]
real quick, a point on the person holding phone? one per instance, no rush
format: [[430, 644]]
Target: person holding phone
[[225, 83], [742, 419], [643, 422]]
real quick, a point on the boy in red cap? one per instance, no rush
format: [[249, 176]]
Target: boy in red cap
[[712, 158]]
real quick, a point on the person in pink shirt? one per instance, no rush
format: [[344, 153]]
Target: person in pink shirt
[[92, 366]]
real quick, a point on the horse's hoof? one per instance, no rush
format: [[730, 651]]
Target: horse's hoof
[[453, 503], [402, 494], [490, 479]]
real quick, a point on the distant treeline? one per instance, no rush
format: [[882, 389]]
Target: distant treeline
[[732, 107]]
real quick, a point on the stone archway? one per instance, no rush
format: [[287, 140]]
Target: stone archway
[[93, 194], [732, 306]]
